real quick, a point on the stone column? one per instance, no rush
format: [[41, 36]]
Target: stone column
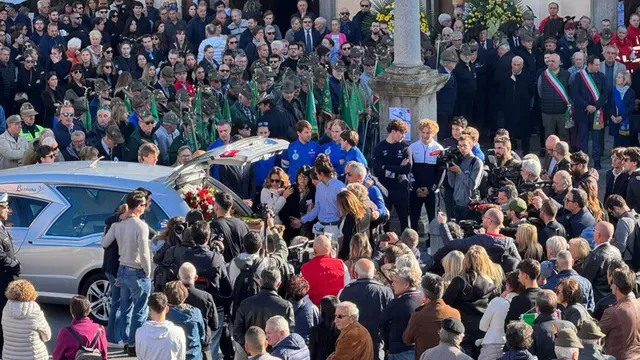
[[601, 10], [408, 83]]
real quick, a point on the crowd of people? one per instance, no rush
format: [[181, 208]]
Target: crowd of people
[[525, 258]]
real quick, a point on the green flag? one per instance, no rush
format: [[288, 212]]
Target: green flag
[[326, 98], [375, 101], [354, 92], [311, 111], [226, 110], [197, 111], [348, 106], [127, 103], [86, 119], [154, 108], [254, 92]]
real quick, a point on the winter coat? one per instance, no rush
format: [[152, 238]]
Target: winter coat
[[307, 315], [273, 200], [354, 343], [160, 341], [595, 270], [516, 93], [291, 348], [11, 150], [257, 309], [545, 326], [25, 331], [190, 320], [395, 318], [423, 329], [518, 355]]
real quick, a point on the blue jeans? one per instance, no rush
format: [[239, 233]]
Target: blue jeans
[[215, 337], [135, 288], [405, 355], [115, 322], [584, 129]]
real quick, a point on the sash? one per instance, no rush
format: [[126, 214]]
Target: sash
[[598, 118], [560, 89]]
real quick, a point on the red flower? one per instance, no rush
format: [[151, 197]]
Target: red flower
[[208, 215], [210, 200], [193, 205], [188, 195], [204, 207]]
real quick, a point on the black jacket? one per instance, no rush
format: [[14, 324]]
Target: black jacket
[[550, 100], [115, 155], [395, 318], [256, 310], [617, 185], [521, 304], [372, 298], [111, 257], [545, 326], [10, 265], [203, 301], [237, 180], [322, 341], [553, 228], [633, 191], [470, 294], [446, 96], [596, 266], [516, 92], [282, 125], [497, 247], [124, 64], [351, 227]]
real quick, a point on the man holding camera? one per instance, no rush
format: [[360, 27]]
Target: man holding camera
[[499, 247], [230, 228], [465, 178], [561, 185]]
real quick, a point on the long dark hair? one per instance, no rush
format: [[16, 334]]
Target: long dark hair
[[328, 306]]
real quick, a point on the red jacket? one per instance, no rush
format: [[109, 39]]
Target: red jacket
[[325, 276], [67, 347]]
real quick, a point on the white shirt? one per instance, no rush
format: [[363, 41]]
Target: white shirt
[[552, 165], [425, 153]]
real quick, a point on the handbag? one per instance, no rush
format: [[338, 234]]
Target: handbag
[[21, 97]]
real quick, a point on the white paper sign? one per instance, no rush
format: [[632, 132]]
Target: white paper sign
[[404, 114]]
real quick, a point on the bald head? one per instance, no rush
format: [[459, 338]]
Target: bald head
[[344, 10], [365, 269], [322, 245], [603, 232], [551, 142], [496, 216]]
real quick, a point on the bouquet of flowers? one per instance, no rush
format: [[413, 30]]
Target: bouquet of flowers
[[383, 10], [491, 13], [201, 199]]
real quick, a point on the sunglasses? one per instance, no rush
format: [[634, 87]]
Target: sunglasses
[[224, 71], [77, 72], [148, 122], [271, 33], [345, 13], [29, 61], [275, 181], [67, 114], [50, 156], [114, 15], [103, 12], [108, 51], [364, 6], [340, 316], [263, 124], [108, 67], [233, 42], [346, 48]]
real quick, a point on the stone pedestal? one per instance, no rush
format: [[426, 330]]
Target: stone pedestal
[[601, 10]]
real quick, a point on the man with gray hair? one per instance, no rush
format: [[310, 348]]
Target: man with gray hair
[[561, 154], [451, 335], [357, 173], [284, 344], [320, 24], [354, 341], [203, 301], [216, 41], [444, 20], [446, 96], [564, 262], [554, 246], [370, 296], [238, 25], [257, 309], [12, 145], [530, 171], [72, 152]]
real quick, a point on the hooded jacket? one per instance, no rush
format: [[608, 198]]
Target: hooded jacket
[[160, 341], [190, 320], [25, 331], [292, 347], [518, 355]]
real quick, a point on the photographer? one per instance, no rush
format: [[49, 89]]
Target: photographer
[[231, 229], [530, 171], [426, 171], [503, 153], [499, 247], [248, 265], [458, 124], [465, 178], [560, 186]]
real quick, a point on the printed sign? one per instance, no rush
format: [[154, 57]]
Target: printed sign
[[404, 114]]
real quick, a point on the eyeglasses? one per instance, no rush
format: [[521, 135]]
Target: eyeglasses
[[232, 42], [271, 33], [346, 48], [566, 199], [155, 39], [67, 114], [50, 156], [103, 11], [364, 6], [341, 316], [224, 71], [275, 181], [108, 51], [148, 122], [114, 15], [263, 124], [345, 13]]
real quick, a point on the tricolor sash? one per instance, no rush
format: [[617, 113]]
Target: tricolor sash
[[598, 118], [560, 89]]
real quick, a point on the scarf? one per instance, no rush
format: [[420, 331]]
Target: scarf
[[622, 90]]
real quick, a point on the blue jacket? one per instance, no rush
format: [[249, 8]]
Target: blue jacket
[[47, 43], [261, 170], [297, 155], [395, 318], [3, 120], [334, 89], [190, 320], [582, 97], [292, 347], [195, 30], [375, 195], [446, 96], [307, 315], [355, 155], [63, 134], [585, 286], [335, 153]]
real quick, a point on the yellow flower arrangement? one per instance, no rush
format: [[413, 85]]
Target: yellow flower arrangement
[[387, 15]]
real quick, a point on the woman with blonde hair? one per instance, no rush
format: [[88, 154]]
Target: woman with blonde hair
[[527, 242], [120, 116], [593, 204], [355, 219], [275, 191], [579, 249], [95, 37], [470, 294], [361, 192], [452, 265], [24, 326], [149, 76]]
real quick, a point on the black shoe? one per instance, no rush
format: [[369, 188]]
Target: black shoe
[[126, 348], [131, 351]]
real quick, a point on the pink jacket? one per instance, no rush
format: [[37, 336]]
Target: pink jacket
[[342, 38], [67, 347]]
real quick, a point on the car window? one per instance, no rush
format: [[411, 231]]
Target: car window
[[90, 207], [24, 210]]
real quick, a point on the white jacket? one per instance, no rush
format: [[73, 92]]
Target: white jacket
[[11, 150], [25, 331], [271, 198], [160, 341], [492, 321]]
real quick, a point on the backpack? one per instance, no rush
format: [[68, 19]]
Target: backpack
[[87, 352], [635, 240], [247, 283]]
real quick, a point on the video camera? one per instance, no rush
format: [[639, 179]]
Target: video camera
[[300, 254], [533, 186], [180, 227], [498, 175], [265, 211], [469, 227], [450, 155]]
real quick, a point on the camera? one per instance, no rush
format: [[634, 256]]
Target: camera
[[533, 186], [180, 227], [300, 254], [498, 175], [265, 211], [215, 237], [469, 227], [450, 155]]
